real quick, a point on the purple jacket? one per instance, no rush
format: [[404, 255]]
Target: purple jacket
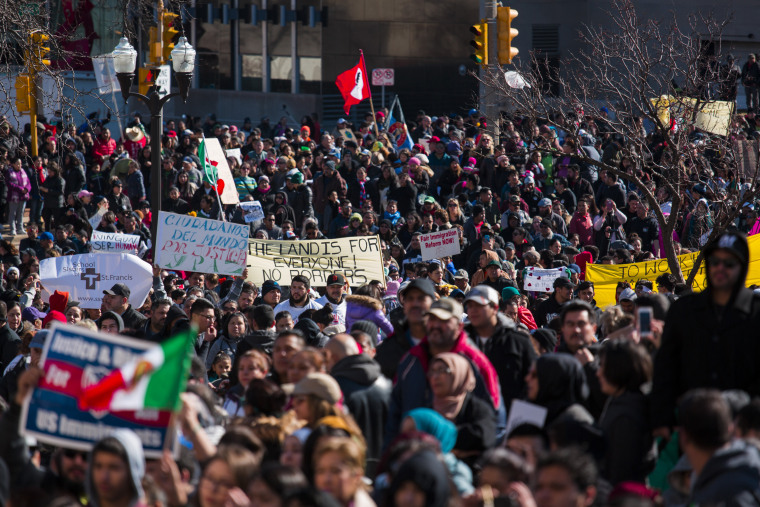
[[366, 308], [19, 185]]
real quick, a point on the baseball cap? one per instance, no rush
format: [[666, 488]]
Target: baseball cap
[[483, 295], [732, 242], [336, 279], [528, 179], [509, 245], [321, 385], [46, 236], [38, 340], [544, 202], [627, 295], [329, 164], [296, 178], [430, 199], [84, 193], [119, 289], [514, 198], [563, 282], [461, 273], [493, 263], [421, 284], [30, 314], [446, 308], [189, 160]]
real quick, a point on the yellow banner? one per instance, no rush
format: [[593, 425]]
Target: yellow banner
[[359, 259], [607, 276]]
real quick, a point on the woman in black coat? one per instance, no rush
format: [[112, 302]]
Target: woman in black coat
[[624, 368], [52, 194]]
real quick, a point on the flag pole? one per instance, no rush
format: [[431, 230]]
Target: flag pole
[[371, 104]]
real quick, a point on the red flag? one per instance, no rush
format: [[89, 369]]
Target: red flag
[[353, 85]]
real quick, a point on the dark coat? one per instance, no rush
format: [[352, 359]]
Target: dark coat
[[133, 319], [511, 354], [730, 477], [630, 454], [390, 351], [476, 425], [300, 199], [367, 394], [700, 350], [53, 198], [9, 346]]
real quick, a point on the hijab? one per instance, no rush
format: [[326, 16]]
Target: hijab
[[431, 422], [561, 383], [462, 382]]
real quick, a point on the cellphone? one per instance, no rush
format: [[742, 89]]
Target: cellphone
[[645, 322], [609, 205]]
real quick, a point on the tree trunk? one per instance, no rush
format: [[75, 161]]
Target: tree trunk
[[670, 254]]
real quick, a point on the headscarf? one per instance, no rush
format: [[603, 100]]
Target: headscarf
[[431, 422], [462, 382], [561, 383], [428, 474]]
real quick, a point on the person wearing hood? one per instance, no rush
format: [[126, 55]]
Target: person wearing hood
[[263, 334], [422, 475], [282, 211], [557, 383], [709, 337], [299, 197], [115, 472], [110, 322], [697, 223], [725, 471], [509, 350], [234, 327], [314, 337], [364, 307], [366, 392]]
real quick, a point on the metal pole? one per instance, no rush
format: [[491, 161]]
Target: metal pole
[[33, 111], [383, 100], [193, 33], [236, 59], [265, 68], [156, 133], [295, 81]]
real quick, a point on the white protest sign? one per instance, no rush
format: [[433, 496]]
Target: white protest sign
[[235, 153], [86, 276], [522, 412], [439, 244], [541, 280], [105, 75], [252, 211], [114, 242], [97, 217], [218, 157], [188, 243]]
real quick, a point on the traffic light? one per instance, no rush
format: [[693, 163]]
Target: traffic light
[[154, 46], [504, 17], [145, 79], [168, 35], [38, 57], [23, 93], [480, 43]]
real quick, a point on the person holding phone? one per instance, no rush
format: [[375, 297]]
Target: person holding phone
[[609, 226]]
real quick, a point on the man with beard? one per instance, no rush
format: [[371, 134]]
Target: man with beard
[[154, 327], [416, 299], [335, 294], [67, 471], [709, 339], [445, 333], [299, 300]]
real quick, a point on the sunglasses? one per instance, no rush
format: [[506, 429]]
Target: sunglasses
[[728, 263], [71, 454]]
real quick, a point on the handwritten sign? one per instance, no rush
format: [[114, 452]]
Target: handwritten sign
[[541, 280], [114, 242], [359, 259], [188, 243], [439, 244], [86, 276], [75, 358], [218, 157], [252, 211]]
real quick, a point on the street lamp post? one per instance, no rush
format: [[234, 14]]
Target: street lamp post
[[183, 63]]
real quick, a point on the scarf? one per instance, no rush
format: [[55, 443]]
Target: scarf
[[393, 217], [362, 193], [462, 382]]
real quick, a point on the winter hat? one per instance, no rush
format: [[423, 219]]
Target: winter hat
[[546, 338], [58, 301], [365, 326], [53, 315]]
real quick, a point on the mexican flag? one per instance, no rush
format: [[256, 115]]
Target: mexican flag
[[210, 174], [154, 380]]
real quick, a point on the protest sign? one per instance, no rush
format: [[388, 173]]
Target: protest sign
[[97, 217], [86, 276], [252, 211], [746, 151], [606, 276], [235, 153], [523, 412], [440, 244], [73, 359], [541, 280], [218, 158], [188, 243], [114, 242], [359, 259]]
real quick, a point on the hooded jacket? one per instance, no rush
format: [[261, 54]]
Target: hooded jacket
[[136, 461], [300, 199], [367, 394], [283, 211], [730, 477], [706, 346], [366, 308], [562, 387], [390, 351], [314, 337]]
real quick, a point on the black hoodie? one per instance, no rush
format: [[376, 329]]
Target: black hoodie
[[366, 393], [562, 387], [730, 477], [314, 337]]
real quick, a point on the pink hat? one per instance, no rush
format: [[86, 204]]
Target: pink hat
[[414, 161]]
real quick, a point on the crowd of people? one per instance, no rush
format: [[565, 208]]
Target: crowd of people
[[449, 382]]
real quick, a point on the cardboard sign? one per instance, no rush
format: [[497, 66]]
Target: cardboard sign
[[359, 259], [217, 156], [115, 242], [440, 244], [541, 280], [73, 359], [252, 211], [187, 243], [86, 276]]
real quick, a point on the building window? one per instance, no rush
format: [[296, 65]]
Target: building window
[[546, 68]]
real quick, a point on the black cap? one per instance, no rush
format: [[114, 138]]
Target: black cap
[[563, 281], [329, 164], [423, 285], [546, 338], [336, 279], [118, 290], [732, 242]]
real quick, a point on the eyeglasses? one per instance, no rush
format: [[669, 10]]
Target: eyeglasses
[[229, 308], [270, 219], [714, 262], [209, 317], [215, 483], [439, 371], [453, 206]]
